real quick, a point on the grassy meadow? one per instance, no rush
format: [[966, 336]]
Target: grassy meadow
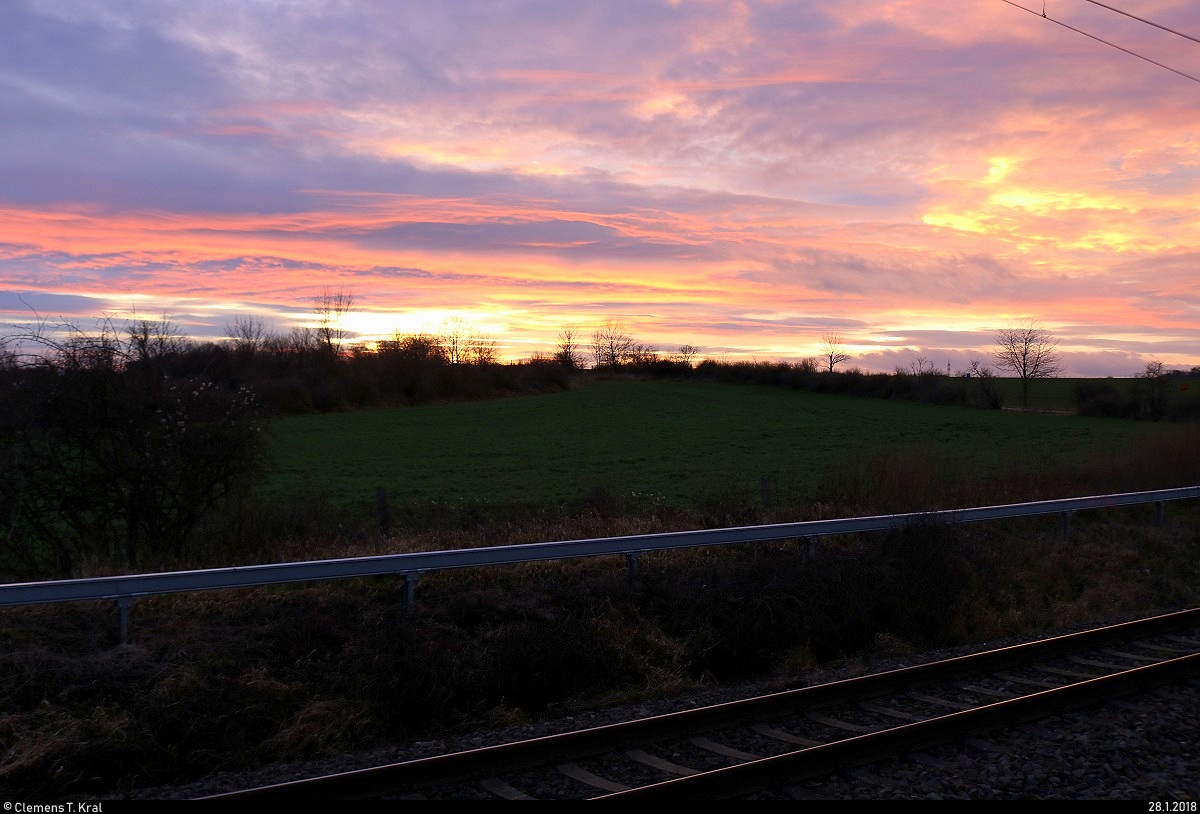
[[230, 680], [686, 445]]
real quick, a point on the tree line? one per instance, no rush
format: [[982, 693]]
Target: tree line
[[121, 442]]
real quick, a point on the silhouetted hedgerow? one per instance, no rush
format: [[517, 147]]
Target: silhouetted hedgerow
[[927, 388]]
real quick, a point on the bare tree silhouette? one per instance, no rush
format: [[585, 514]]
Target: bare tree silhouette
[[833, 352], [1029, 352]]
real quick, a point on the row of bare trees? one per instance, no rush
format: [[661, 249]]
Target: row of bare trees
[[458, 341], [611, 346], [250, 335], [1027, 350]]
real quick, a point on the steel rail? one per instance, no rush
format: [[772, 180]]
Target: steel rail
[[380, 780], [752, 776]]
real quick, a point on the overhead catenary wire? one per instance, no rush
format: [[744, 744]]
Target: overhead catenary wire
[[1104, 41], [1142, 20]]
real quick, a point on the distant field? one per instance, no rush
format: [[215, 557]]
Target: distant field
[[669, 442], [1059, 394]]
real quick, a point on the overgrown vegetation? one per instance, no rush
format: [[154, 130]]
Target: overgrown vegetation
[[233, 679], [699, 451], [919, 384], [1155, 395], [113, 457], [130, 448], [120, 442]]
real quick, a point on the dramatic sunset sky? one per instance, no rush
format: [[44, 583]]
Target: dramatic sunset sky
[[741, 176]]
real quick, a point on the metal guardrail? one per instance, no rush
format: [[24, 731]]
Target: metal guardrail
[[123, 589]]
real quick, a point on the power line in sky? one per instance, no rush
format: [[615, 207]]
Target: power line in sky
[[1142, 20], [1044, 16]]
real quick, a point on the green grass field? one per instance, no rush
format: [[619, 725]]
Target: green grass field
[[678, 444], [227, 680]]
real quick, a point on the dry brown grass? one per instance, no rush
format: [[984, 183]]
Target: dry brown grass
[[232, 679]]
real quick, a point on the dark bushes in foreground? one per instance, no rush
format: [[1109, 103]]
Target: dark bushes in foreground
[[113, 460], [299, 672]]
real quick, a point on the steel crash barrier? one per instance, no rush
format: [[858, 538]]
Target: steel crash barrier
[[124, 589]]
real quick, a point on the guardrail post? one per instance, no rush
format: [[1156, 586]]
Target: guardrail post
[[123, 603], [633, 558], [123, 589], [1160, 507], [410, 589]]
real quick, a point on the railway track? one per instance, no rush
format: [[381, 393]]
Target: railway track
[[746, 747]]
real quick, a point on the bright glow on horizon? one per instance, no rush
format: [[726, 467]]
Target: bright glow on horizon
[[743, 177]]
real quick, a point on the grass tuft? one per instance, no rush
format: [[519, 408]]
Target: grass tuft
[[233, 679]]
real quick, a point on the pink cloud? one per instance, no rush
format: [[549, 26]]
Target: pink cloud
[[751, 174]]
